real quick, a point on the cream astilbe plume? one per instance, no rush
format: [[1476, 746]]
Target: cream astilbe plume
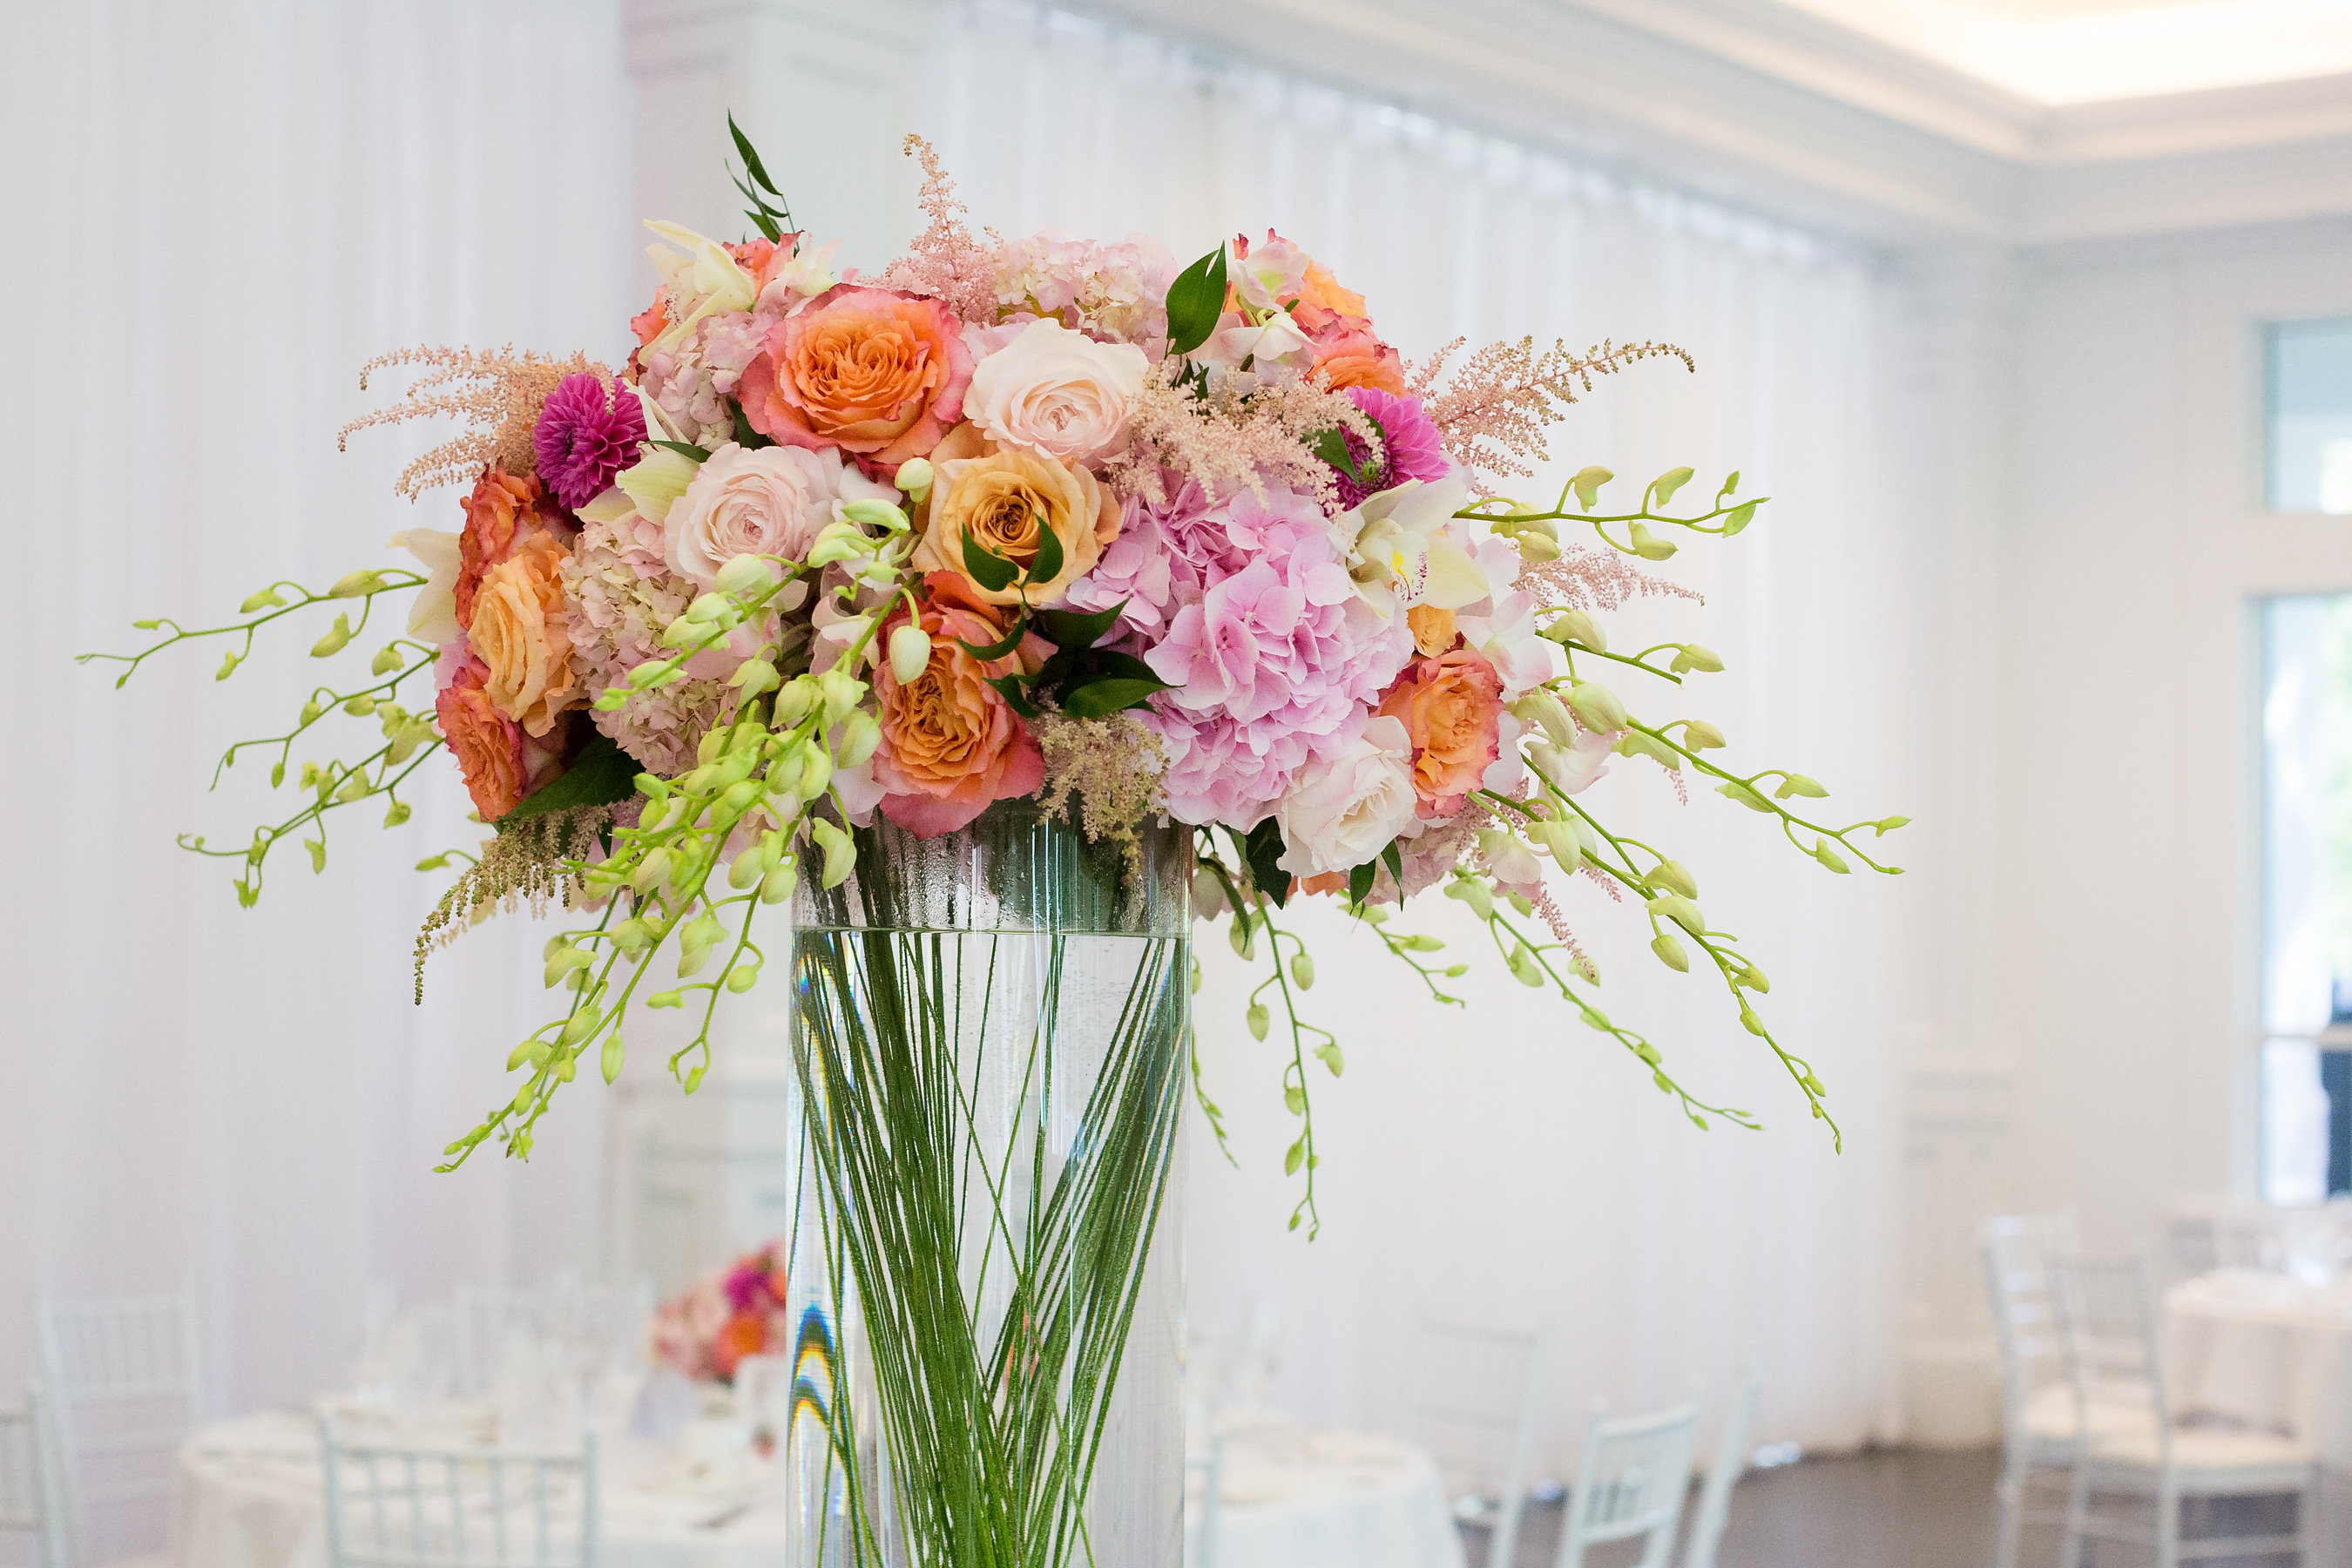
[[499, 393], [945, 261], [1113, 767], [529, 863], [1495, 404], [1236, 433]]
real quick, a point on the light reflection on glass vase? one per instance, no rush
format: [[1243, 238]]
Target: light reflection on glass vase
[[989, 1032]]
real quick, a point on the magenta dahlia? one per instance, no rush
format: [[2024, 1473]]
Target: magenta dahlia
[[1415, 450], [586, 437]]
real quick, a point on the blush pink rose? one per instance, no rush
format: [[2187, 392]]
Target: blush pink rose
[[876, 373]]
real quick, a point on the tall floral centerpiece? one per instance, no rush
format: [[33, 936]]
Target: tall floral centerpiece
[[1010, 611]]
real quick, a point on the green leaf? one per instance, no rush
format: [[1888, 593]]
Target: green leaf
[[1361, 880], [1076, 629], [600, 774], [1195, 301], [1126, 666], [1012, 640], [750, 440], [1101, 697], [1263, 851], [1009, 687], [699, 454], [987, 568], [1047, 565], [1332, 445], [1394, 859], [751, 156]]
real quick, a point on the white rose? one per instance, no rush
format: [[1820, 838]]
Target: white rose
[[1343, 812], [774, 501], [1057, 392]]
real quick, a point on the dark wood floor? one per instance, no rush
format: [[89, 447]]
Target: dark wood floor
[[1891, 1508]]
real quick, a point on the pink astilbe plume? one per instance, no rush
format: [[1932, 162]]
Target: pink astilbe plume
[[1228, 438], [498, 393], [945, 261], [1495, 404], [1588, 577]]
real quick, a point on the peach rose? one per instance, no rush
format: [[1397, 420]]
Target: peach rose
[[1432, 628], [1006, 500], [951, 744], [1320, 288], [503, 511], [1452, 707], [486, 743], [872, 371], [522, 635], [1356, 358]]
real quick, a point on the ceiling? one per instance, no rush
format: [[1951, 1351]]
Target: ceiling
[[2058, 52]]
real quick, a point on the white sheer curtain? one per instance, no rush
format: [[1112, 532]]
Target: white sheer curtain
[[218, 212], [1502, 1163]]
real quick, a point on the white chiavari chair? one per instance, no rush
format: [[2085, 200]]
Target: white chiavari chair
[[1473, 1395], [393, 1506], [32, 1505], [1201, 1531], [1631, 1482], [124, 1381], [2039, 1433], [2108, 1327], [1729, 1464]]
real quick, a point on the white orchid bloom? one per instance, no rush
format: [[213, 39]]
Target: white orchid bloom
[[808, 274], [1400, 550], [706, 278], [433, 616], [1273, 341]]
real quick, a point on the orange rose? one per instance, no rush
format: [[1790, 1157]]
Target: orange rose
[[1452, 708], [871, 370], [1319, 288], [951, 744], [522, 635], [1006, 500], [486, 743], [745, 1334], [504, 509], [1432, 628]]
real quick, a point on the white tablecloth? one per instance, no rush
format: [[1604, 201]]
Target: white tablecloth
[[1298, 1498], [2274, 1352], [249, 1496]]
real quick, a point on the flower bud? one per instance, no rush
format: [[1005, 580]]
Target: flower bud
[[1540, 708], [914, 477], [837, 541], [843, 691], [1681, 911], [1673, 877], [1577, 626], [798, 699], [1670, 952], [337, 637], [633, 936], [911, 653], [1302, 970], [744, 575], [1535, 547], [1587, 484], [1596, 708], [707, 608], [352, 584], [879, 514], [777, 884], [816, 774], [1694, 655], [1649, 546], [1701, 736], [754, 676], [396, 815], [385, 661], [583, 1024], [1797, 784], [1472, 892], [1524, 969], [1208, 896], [1260, 1020], [610, 1064], [860, 735], [268, 598], [840, 852]]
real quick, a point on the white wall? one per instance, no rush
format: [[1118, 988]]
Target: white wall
[[2127, 666]]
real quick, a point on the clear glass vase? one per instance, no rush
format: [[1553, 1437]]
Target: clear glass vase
[[989, 1029]]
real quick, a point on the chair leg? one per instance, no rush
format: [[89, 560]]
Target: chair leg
[[2167, 1528], [2010, 1490], [2078, 1513], [2304, 1533]]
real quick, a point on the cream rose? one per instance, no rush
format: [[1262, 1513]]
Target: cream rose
[[772, 501], [1057, 392], [1344, 811]]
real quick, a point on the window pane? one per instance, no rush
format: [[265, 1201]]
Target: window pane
[[2310, 397], [2307, 1123]]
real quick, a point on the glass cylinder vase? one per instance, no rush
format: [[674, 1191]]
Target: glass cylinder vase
[[989, 1029]]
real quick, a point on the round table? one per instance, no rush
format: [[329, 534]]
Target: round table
[[1294, 1497], [250, 1496], [2274, 1351]]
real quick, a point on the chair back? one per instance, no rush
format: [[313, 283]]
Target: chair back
[[393, 1506], [1730, 1462], [1473, 1395], [1631, 1482], [1201, 1538], [2107, 1328], [31, 1505], [124, 1379], [2017, 1250]]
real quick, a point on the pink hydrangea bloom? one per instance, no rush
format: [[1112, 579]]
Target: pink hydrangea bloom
[[1274, 655], [691, 380], [1117, 292], [622, 593]]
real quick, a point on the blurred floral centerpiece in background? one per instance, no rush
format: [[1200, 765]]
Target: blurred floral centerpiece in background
[[1010, 608]]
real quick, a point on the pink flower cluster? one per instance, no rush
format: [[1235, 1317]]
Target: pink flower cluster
[[741, 1309]]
